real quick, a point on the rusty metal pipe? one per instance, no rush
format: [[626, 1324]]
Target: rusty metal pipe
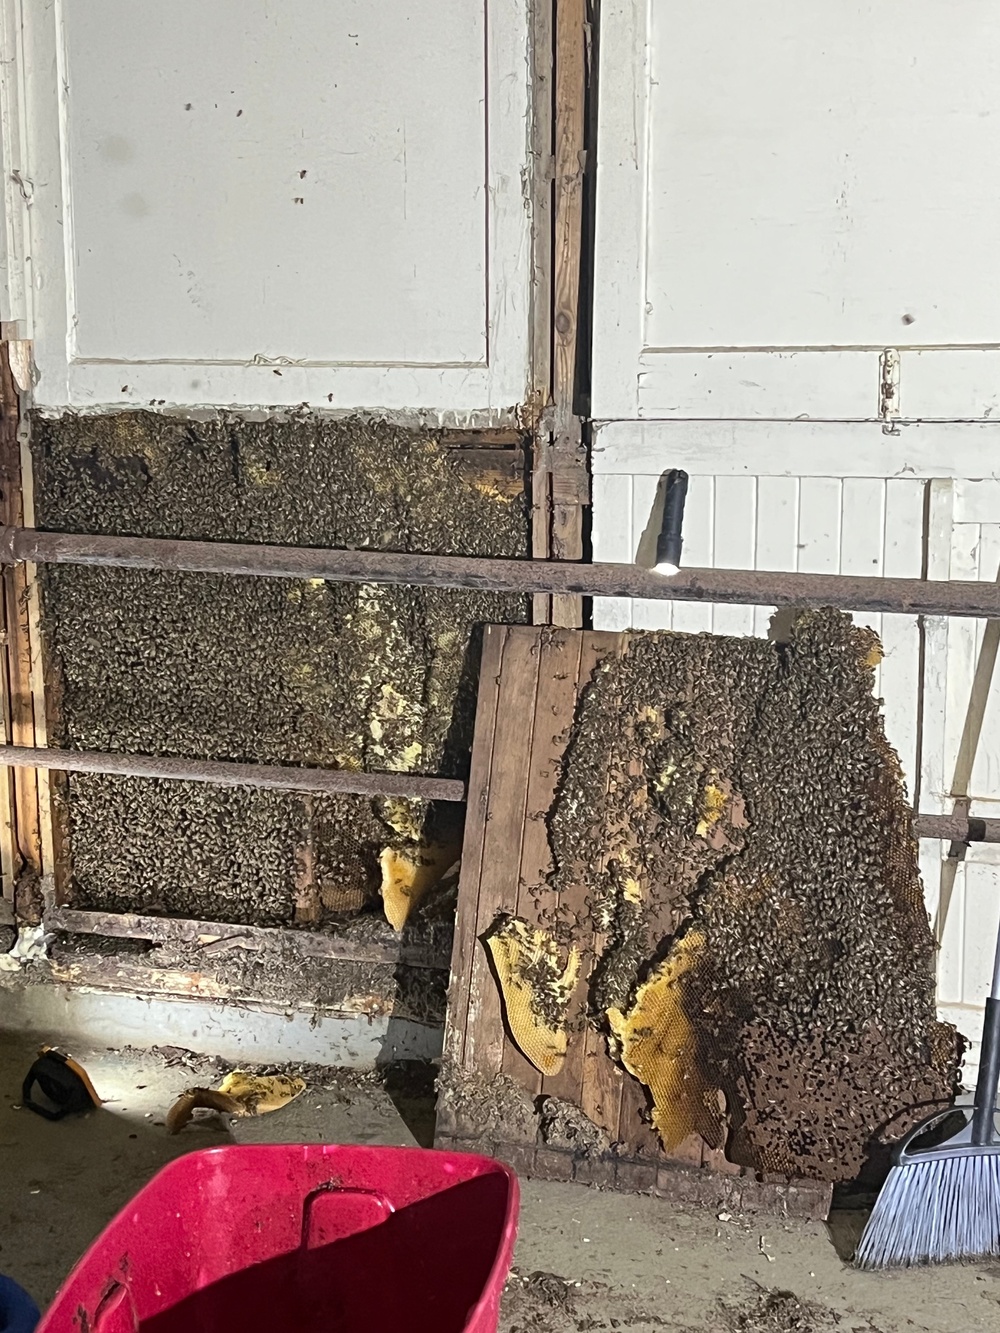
[[957, 828], [951, 828], [736, 586], [322, 781]]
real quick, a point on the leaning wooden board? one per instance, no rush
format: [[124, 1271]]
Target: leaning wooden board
[[531, 681]]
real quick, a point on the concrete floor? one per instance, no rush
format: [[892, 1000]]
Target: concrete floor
[[585, 1260]]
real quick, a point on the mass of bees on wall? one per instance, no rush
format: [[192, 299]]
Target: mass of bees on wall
[[259, 670], [763, 960]]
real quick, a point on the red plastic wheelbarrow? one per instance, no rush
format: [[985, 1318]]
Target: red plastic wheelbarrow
[[301, 1239]]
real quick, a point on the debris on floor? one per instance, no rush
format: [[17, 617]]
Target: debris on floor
[[643, 1264], [239, 1094], [546, 1303], [63, 1086], [774, 1311]]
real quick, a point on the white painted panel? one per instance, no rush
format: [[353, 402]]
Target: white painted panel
[[862, 534], [965, 965], [699, 551], [934, 784], [799, 449], [646, 516], [769, 130], [818, 547], [735, 545], [984, 781], [248, 203], [763, 215], [777, 534], [977, 501], [982, 920], [962, 726], [611, 534], [957, 383], [962, 642], [899, 674], [951, 958], [15, 190], [786, 385]]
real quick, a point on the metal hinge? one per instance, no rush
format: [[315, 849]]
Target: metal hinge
[[888, 393]]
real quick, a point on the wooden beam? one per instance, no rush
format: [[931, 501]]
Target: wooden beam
[[20, 826], [569, 487], [734, 586], [211, 936], [273, 777], [54, 863], [542, 144], [10, 859]]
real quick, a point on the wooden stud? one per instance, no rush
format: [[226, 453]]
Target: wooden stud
[[568, 455], [27, 841], [464, 943], [502, 841], [543, 70], [573, 906], [9, 855], [54, 864], [555, 703], [210, 935]]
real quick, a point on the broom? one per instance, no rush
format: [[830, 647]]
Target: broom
[[943, 1202]]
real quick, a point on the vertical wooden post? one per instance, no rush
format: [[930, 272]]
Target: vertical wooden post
[[569, 480], [10, 860], [542, 112], [28, 812]]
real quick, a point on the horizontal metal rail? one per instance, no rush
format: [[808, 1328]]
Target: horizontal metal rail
[[320, 781], [957, 828], [736, 586], [953, 828]]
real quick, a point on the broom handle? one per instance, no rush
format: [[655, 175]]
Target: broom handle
[[989, 1063]]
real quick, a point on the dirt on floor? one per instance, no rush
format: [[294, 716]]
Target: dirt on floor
[[585, 1260]]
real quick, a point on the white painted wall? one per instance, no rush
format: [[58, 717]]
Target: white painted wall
[[786, 190], [962, 724], [247, 202]]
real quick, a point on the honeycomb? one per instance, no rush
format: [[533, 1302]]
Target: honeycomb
[[408, 876], [536, 986], [658, 1044]]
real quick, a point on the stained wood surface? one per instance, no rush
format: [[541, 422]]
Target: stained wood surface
[[503, 837], [463, 949], [558, 672]]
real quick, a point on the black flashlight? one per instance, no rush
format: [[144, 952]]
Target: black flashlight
[[670, 540]]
